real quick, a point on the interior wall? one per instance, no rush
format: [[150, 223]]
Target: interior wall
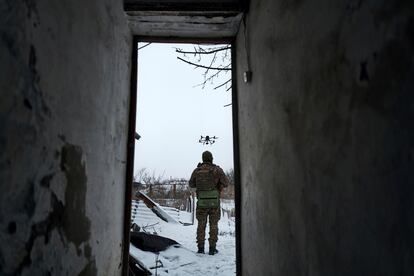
[[64, 85], [326, 138]]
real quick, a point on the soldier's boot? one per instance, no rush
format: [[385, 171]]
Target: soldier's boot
[[212, 251], [200, 249]]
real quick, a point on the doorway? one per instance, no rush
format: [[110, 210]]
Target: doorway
[[182, 110]]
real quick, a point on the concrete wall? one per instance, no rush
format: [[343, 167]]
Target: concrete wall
[[64, 86], [327, 138]]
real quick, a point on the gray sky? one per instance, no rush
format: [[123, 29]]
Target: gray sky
[[172, 114]]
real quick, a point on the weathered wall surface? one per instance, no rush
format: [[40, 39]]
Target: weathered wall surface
[[326, 138], [64, 86]]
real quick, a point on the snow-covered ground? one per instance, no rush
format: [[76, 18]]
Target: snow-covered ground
[[184, 260]]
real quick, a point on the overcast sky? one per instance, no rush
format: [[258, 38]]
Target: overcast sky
[[172, 114]]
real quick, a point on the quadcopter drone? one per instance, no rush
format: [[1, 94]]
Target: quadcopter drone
[[207, 140]]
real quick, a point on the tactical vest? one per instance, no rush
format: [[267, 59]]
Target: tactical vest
[[207, 193]]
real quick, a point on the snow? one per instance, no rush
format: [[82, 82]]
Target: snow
[[183, 260]]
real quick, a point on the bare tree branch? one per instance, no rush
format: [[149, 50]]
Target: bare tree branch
[[225, 68], [202, 52], [209, 79], [211, 64], [219, 60], [223, 84]]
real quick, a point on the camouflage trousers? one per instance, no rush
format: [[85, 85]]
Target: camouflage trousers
[[213, 215]]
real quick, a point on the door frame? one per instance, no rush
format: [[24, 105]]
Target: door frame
[[131, 137]]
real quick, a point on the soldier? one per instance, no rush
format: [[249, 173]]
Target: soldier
[[208, 180]]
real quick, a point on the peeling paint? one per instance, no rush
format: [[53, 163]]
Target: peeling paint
[[76, 223], [68, 219], [43, 229], [34, 97]]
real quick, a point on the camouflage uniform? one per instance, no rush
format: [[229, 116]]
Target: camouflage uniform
[[213, 214]]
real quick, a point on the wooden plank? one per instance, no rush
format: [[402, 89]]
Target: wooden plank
[[184, 5]]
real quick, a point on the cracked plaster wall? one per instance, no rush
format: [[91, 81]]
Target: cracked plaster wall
[[64, 86], [326, 138]]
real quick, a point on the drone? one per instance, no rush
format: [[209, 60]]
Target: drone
[[207, 140]]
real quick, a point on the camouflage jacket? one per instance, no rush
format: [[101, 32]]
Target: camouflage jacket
[[220, 178]]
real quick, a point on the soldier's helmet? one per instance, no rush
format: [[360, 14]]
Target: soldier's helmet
[[207, 156]]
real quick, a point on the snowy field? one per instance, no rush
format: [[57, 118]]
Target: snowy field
[[184, 260]]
